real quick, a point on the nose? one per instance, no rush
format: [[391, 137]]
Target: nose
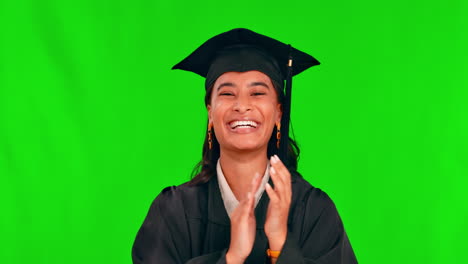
[[242, 104]]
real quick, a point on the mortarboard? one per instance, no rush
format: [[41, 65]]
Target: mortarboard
[[242, 50]]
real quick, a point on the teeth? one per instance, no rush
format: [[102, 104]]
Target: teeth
[[235, 124]]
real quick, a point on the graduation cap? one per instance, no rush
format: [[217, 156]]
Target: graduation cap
[[241, 50]]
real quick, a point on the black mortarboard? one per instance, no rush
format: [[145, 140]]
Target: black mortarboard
[[242, 50]]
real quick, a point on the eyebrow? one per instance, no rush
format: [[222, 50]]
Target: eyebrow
[[228, 84], [259, 84]]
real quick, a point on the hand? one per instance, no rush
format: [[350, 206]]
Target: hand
[[276, 224], [243, 226]]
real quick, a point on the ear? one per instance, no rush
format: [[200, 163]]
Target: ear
[[279, 113], [208, 108]]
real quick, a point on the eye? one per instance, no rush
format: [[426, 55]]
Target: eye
[[258, 93], [226, 94]]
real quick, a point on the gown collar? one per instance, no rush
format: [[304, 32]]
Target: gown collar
[[229, 199], [217, 212]]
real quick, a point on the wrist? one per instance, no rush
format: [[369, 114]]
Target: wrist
[[233, 259], [277, 241]]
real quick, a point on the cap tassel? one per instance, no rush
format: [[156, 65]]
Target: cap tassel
[[283, 154]]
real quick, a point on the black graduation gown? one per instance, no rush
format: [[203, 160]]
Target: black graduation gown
[[189, 224]]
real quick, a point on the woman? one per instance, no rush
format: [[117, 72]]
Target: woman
[[222, 215]]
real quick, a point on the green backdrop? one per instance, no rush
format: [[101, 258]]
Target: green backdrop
[[93, 123]]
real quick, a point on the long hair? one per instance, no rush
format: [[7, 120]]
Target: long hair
[[206, 168]]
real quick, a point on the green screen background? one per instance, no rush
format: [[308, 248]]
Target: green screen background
[[93, 123]]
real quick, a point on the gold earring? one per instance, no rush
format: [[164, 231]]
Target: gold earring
[[278, 134], [210, 140]]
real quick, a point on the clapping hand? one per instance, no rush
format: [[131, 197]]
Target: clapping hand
[[276, 224], [243, 223], [243, 226]]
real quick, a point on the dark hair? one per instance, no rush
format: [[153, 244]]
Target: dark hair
[[206, 168]]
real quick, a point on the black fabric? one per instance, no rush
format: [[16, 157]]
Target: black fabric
[[189, 224]]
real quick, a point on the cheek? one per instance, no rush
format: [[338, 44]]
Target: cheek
[[217, 113], [272, 112]]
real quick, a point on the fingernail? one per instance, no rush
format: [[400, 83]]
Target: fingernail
[[272, 170], [273, 160], [276, 158], [268, 186]]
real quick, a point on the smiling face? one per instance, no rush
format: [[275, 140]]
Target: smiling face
[[243, 110]]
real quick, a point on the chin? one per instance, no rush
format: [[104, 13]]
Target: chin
[[247, 146]]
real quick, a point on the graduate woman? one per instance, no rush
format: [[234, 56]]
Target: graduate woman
[[248, 203]]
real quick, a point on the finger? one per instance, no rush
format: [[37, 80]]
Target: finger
[[251, 203], [283, 172], [246, 205], [246, 201], [271, 193], [256, 183], [280, 168], [277, 181], [275, 168], [282, 182]]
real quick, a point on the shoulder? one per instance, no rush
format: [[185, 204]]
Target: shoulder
[[313, 207], [306, 194], [185, 190], [182, 199]]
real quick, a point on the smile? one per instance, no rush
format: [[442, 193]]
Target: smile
[[243, 124]]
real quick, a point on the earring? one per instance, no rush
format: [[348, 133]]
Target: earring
[[278, 134], [210, 140]]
